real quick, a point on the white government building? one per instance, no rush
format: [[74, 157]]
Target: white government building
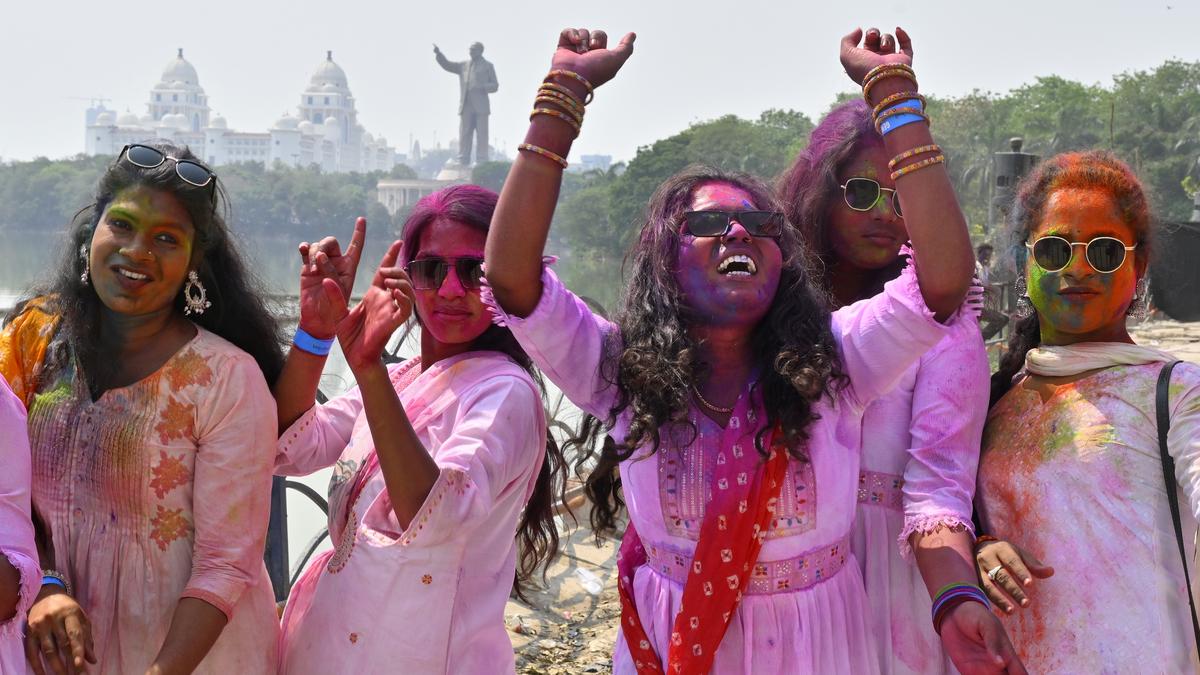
[[325, 132]]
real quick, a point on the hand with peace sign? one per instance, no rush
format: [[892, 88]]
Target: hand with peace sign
[[327, 281]]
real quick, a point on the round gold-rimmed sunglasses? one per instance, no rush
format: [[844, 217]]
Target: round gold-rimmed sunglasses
[[862, 194], [1105, 254]]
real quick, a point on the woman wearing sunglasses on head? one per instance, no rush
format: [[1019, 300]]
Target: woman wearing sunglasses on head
[[917, 478], [144, 364], [1071, 467], [733, 395], [442, 464]]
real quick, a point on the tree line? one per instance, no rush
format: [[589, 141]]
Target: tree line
[[1151, 119]]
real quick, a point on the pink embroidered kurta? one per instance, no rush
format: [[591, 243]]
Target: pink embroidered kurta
[[430, 597], [920, 452], [16, 529], [160, 491], [805, 609], [1077, 480]]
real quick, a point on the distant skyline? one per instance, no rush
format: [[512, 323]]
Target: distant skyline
[[692, 62]]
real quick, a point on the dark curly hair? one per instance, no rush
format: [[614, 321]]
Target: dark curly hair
[[537, 534], [238, 313], [656, 363], [809, 188], [1095, 170]]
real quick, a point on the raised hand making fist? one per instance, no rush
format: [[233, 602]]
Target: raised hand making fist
[[877, 49], [586, 52]]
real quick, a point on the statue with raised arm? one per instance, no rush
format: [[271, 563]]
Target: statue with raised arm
[[477, 79]]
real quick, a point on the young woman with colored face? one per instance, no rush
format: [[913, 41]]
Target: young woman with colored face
[[1071, 470], [922, 445], [145, 366], [20, 575], [442, 464], [733, 396]]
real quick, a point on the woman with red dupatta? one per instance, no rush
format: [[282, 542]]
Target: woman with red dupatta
[[732, 394]]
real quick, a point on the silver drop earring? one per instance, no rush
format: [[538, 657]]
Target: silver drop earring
[[1139, 309], [83, 255], [195, 296], [1024, 307]]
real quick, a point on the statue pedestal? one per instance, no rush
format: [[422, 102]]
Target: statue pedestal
[[453, 171]]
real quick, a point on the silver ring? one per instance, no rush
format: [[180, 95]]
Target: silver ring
[[994, 572]]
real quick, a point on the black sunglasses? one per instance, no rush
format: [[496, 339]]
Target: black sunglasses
[[1104, 254], [719, 223], [862, 194], [427, 274], [190, 171]]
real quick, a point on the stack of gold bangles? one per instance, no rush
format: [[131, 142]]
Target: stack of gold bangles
[[561, 103], [897, 110]]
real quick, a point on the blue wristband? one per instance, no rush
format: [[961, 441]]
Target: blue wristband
[[896, 121], [47, 579], [305, 342]]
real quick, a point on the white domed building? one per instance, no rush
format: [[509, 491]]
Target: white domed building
[[325, 132]]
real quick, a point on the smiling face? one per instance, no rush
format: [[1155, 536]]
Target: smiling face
[[731, 279], [1077, 303], [141, 251], [868, 240], [452, 314]]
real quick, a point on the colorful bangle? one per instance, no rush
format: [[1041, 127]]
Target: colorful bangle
[[575, 115], [578, 78], [307, 343], [887, 67], [951, 596], [915, 166], [868, 85], [559, 114], [564, 102], [529, 147], [896, 98], [56, 578], [919, 150], [558, 88]]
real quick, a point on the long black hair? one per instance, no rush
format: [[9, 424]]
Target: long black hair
[[656, 363], [1096, 170], [238, 313]]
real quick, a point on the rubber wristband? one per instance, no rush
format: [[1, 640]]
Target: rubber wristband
[[893, 123], [55, 581], [307, 343]]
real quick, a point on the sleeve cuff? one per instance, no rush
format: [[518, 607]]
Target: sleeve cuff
[[928, 523], [30, 584], [551, 288], [211, 598]]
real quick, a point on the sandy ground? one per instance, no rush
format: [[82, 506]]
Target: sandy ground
[[569, 626]]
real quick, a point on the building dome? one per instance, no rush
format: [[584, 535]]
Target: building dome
[[176, 120], [128, 119], [179, 71], [306, 127], [218, 122], [286, 123], [329, 76], [106, 119]]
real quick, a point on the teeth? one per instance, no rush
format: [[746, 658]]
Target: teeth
[[132, 275], [744, 259]]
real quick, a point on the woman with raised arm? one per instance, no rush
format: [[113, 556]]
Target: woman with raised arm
[[20, 575], [145, 366], [444, 479], [1081, 422], [734, 397], [918, 470]]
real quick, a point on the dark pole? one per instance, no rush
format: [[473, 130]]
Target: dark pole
[[277, 542]]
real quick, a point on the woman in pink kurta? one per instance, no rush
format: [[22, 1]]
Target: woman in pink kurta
[[921, 445], [425, 515], [144, 370], [1071, 470], [18, 556], [722, 356]]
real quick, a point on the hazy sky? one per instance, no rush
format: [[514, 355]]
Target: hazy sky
[[694, 60]]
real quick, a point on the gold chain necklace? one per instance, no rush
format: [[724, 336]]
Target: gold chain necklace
[[704, 402]]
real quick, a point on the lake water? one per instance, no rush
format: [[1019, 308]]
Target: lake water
[[28, 257]]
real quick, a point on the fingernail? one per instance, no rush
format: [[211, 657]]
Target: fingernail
[[1027, 581], [1025, 603]]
